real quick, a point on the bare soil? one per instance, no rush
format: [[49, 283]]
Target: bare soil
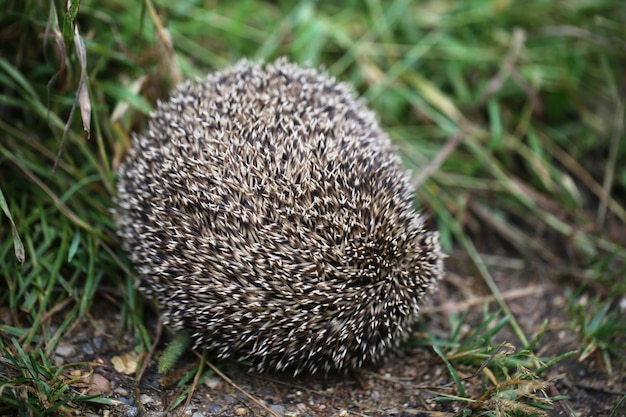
[[410, 383]]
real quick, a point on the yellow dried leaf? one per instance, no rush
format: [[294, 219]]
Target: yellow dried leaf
[[126, 363]]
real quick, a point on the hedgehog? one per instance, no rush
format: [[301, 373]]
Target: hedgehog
[[271, 218]]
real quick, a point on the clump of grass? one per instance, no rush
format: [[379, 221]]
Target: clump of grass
[[601, 327], [56, 183], [513, 382], [30, 385]]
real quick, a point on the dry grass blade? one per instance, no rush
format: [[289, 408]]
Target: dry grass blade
[[243, 391], [528, 246], [617, 135], [57, 201], [82, 98], [83, 91], [434, 165], [167, 56], [585, 177], [17, 242], [506, 69], [54, 31]]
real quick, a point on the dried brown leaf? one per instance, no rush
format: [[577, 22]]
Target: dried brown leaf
[[54, 31], [82, 97], [83, 92], [167, 57], [17, 242]]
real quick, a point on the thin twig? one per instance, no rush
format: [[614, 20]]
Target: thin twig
[[238, 388], [144, 366], [451, 307], [432, 167], [194, 384], [146, 361], [583, 175], [506, 68]]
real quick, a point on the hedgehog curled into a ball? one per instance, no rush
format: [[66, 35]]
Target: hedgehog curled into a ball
[[269, 215]]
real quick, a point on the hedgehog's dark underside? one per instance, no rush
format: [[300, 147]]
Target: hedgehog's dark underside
[[267, 212]]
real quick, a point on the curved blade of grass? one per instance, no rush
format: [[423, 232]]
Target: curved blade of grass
[[469, 247], [17, 242], [453, 374], [57, 201]]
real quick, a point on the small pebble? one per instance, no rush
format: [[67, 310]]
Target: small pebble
[[98, 384], [213, 382], [375, 396], [146, 399], [278, 409], [230, 399], [98, 342], [240, 411], [87, 349], [126, 400], [65, 350]]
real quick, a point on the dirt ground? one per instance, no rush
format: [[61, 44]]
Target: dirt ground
[[408, 384]]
